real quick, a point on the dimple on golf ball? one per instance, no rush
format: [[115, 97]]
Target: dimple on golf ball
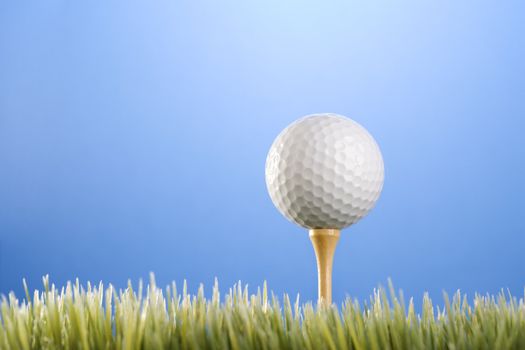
[[324, 171]]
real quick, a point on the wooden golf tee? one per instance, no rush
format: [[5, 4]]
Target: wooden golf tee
[[324, 242]]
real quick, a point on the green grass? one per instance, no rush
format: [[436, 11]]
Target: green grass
[[98, 317]]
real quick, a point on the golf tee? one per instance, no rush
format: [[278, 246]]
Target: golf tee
[[324, 242]]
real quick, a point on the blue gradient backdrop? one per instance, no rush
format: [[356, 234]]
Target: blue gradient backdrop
[[133, 136]]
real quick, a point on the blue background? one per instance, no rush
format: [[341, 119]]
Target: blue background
[[133, 136]]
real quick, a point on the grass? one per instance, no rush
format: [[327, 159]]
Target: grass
[[98, 317]]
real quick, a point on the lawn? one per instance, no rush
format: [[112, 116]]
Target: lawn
[[101, 317]]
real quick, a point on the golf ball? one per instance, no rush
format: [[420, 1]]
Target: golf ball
[[324, 171]]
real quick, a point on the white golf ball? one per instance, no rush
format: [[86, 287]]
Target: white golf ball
[[324, 171]]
